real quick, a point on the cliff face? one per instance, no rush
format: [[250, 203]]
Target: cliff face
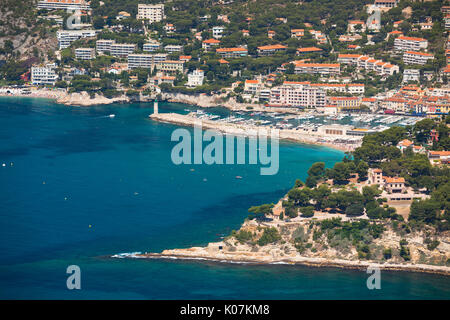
[[21, 33], [83, 99], [301, 242]]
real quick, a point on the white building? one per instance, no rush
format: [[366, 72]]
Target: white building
[[140, 61], [84, 53], [151, 46], [122, 49], [297, 94], [171, 48], [321, 68], [208, 44], [63, 4], [151, 12], [42, 75], [217, 32], [415, 57], [386, 3], [252, 87], [195, 78], [66, 37], [403, 43], [104, 45], [411, 75]]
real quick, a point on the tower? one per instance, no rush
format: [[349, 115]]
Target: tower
[[155, 106]]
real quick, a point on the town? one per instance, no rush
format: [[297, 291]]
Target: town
[[386, 65]]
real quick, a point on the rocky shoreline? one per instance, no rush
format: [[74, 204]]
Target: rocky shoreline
[[305, 261]]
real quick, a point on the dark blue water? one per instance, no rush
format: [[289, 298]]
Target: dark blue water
[[78, 186]]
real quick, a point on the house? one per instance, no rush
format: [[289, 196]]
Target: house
[[123, 15], [271, 34], [439, 156], [195, 78], [245, 33], [217, 32], [405, 144], [297, 33], [355, 26], [308, 50], [375, 176], [208, 45], [170, 28], [185, 58], [394, 184], [270, 49]]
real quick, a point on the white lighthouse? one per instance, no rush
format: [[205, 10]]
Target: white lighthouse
[[155, 106]]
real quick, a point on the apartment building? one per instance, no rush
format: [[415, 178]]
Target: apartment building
[[403, 43], [415, 57], [368, 63], [44, 75], [252, 87], [321, 68], [151, 46], [140, 61], [348, 103], [84, 53], [297, 94], [171, 48], [170, 66], [232, 52], [411, 75], [352, 88], [63, 4], [271, 49], [122, 49], [104, 45], [151, 12], [66, 37], [209, 44], [348, 58]]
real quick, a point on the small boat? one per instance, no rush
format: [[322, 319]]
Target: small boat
[[238, 177], [112, 115]]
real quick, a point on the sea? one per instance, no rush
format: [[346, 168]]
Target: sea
[[78, 186]]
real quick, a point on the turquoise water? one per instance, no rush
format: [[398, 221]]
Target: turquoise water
[[78, 186]]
